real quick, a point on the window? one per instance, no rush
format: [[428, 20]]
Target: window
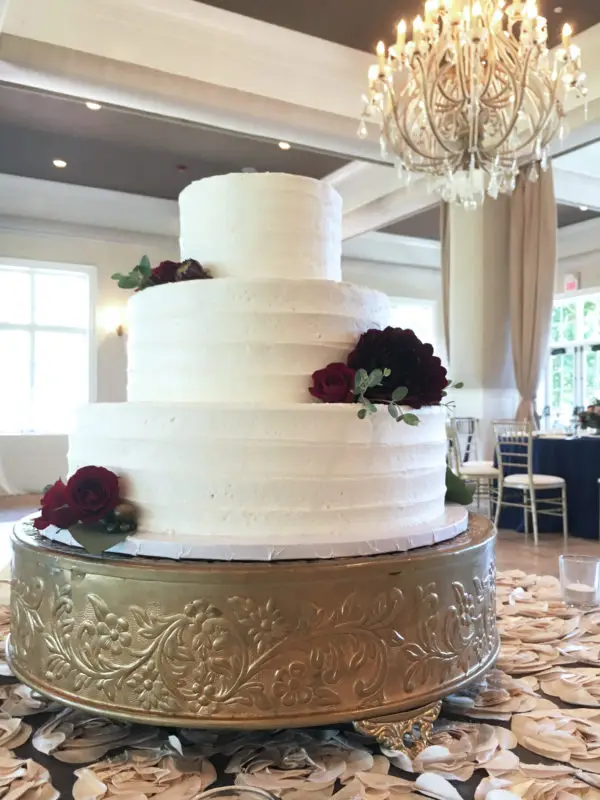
[[419, 315], [572, 377], [45, 346]]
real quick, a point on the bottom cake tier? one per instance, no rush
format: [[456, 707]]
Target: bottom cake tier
[[233, 475], [209, 644]]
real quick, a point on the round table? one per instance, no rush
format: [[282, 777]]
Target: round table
[[577, 460]]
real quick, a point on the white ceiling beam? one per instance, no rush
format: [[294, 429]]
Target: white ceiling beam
[[246, 76], [386, 248], [388, 209], [576, 189]]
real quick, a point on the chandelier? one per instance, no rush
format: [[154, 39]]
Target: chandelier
[[473, 96]]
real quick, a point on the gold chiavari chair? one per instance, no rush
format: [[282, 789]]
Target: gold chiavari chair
[[514, 451]]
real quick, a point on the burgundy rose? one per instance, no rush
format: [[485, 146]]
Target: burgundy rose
[[92, 492], [55, 509], [412, 364], [334, 384], [164, 273]]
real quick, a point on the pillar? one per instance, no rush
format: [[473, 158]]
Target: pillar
[[479, 317]]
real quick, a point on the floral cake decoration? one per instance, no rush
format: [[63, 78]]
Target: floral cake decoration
[[89, 505], [144, 275], [392, 368]]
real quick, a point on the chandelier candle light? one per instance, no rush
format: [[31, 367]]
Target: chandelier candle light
[[473, 96]]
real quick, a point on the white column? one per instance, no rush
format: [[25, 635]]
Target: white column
[[480, 351]]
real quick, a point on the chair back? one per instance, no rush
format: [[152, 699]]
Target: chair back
[[467, 432], [453, 458], [513, 446]]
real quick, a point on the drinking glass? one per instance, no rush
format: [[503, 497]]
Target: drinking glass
[[580, 580], [234, 793]]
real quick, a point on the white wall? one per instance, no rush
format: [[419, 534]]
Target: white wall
[[31, 462]]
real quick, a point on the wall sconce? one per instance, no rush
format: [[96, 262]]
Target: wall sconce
[[113, 319]]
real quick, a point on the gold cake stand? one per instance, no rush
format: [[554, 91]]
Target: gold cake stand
[[376, 641]]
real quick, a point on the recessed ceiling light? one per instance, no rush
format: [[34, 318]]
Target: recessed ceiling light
[[248, 169], [285, 146], [583, 208], [60, 163], [93, 106], [558, 10]]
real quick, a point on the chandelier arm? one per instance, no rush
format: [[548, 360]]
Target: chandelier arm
[[519, 92], [428, 110], [401, 125]]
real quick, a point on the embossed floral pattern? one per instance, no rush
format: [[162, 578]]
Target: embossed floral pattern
[[113, 634], [291, 686]]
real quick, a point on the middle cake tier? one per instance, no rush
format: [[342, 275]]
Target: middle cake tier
[[234, 472], [250, 340]]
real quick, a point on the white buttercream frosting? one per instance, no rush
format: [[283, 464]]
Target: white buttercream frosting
[[243, 340], [221, 446], [221, 469], [262, 225]]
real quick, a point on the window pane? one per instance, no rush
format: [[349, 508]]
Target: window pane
[[562, 401], [61, 379], [15, 296], [15, 395], [61, 298], [591, 376], [591, 320]]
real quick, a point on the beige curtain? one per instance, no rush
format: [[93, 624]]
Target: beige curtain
[[532, 266], [445, 243]]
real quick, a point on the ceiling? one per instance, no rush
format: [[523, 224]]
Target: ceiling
[[116, 149], [361, 24], [426, 225]]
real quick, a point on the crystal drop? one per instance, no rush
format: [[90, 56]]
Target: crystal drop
[[534, 174], [494, 187], [545, 162], [470, 205], [362, 130]]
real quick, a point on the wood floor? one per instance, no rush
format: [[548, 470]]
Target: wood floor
[[512, 551]]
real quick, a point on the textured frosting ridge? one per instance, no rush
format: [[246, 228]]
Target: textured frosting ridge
[[244, 340], [262, 225], [222, 469]]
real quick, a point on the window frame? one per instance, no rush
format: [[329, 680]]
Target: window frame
[[36, 265], [577, 347]]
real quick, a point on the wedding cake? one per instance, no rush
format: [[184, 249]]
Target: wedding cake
[[225, 446]]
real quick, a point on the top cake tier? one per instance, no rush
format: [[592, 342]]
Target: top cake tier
[[262, 225]]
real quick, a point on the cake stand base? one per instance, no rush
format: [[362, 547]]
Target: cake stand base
[[410, 733], [255, 645]]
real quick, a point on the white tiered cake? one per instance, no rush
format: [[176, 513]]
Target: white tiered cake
[[221, 446]]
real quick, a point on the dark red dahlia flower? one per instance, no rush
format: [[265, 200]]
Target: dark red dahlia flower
[[412, 364]]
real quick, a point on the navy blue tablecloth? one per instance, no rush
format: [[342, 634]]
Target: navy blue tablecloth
[[578, 462]]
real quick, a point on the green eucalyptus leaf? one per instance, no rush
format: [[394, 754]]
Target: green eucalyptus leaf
[[411, 419], [128, 282], [361, 381], [117, 276], [371, 407], [459, 385], [94, 538], [394, 411], [145, 267], [399, 394], [362, 413], [387, 372], [375, 378], [457, 490]]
